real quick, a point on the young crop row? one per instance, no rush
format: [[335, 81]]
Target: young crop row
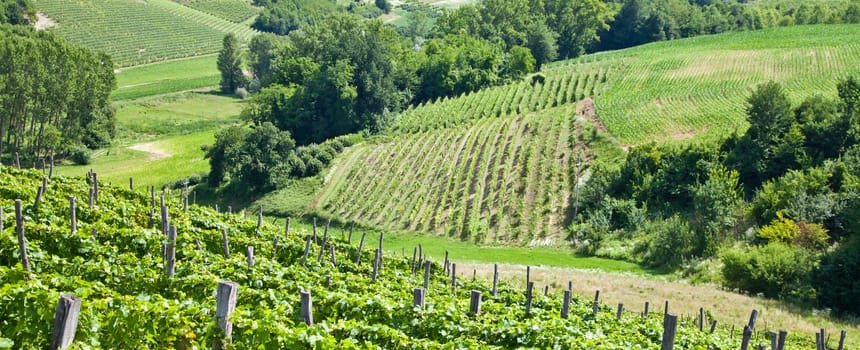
[[499, 179], [236, 11], [560, 86], [113, 259], [134, 33]]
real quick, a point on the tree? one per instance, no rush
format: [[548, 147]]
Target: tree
[[383, 5], [577, 24], [17, 12], [542, 44], [519, 63], [221, 155], [230, 65], [262, 52]]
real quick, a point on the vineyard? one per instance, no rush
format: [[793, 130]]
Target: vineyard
[[139, 32], [183, 278], [236, 11], [667, 90], [498, 179]]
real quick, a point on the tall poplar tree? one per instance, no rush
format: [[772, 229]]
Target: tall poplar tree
[[230, 65]]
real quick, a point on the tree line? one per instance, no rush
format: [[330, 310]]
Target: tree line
[[54, 96], [777, 205]]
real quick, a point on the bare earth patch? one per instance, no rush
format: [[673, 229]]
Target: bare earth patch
[[44, 22], [154, 151], [585, 109], [388, 17]]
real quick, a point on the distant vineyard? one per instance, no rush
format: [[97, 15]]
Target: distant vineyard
[[137, 287], [138, 32], [667, 90], [561, 86], [498, 179], [236, 11]]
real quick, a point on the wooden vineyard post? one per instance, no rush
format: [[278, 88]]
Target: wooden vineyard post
[[185, 203], [131, 184], [753, 317], [287, 228], [226, 304], [91, 201], [418, 295], [381, 234], [620, 310], [197, 243], [713, 326], [327, 281], [701, 319], [529, 292], [165, 219], [225, 244], [315, 231], [250, 256], [351, 226], [275, 244], [307, 250], [670, 325], [596, 305], [152, 195], [375, 264], [19, 228], [51, 171], [73, 215], [307, 308], [745, 341], [475, 303], [545, 290], [841, 340], [666, 308], [780, 343], [360, 247], [414, 256], [260, 218], [495, 279], [426, 275], [39, 191], [333, 256], [453, 277], [65, 321], [645, 314], [773, 339], [528, 275], [171, 251], [17, 161], [565, 306]]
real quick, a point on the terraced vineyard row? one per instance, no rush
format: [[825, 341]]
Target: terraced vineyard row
[[564, 85], [497, 179], [139, 32], [236, 11]]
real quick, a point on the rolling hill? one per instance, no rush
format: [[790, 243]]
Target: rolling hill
[[496, 165]]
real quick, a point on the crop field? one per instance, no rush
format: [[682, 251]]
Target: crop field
[[166, 77], [499, 179], [668, 90], [137, 287], [236, 11], [139, 32]]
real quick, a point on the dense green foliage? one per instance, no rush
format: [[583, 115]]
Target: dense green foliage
[[53, 95], [137, 32], [264, 157], [340, 76], [285, 16], [128, 302], [17, 12]]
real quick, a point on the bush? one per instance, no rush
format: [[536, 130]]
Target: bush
[[80, 154], [775, 270], [838, 279], [673, 242]]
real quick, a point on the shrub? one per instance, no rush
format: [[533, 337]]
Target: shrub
[[838, 279], [80, 154], [775, 270], [672, 242]]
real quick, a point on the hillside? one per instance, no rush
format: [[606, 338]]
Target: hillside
[[448, 170], [139, 32], [115, 263]]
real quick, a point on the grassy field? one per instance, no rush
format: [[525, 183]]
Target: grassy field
[[159, 138], [166, 77], [139, 32]]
